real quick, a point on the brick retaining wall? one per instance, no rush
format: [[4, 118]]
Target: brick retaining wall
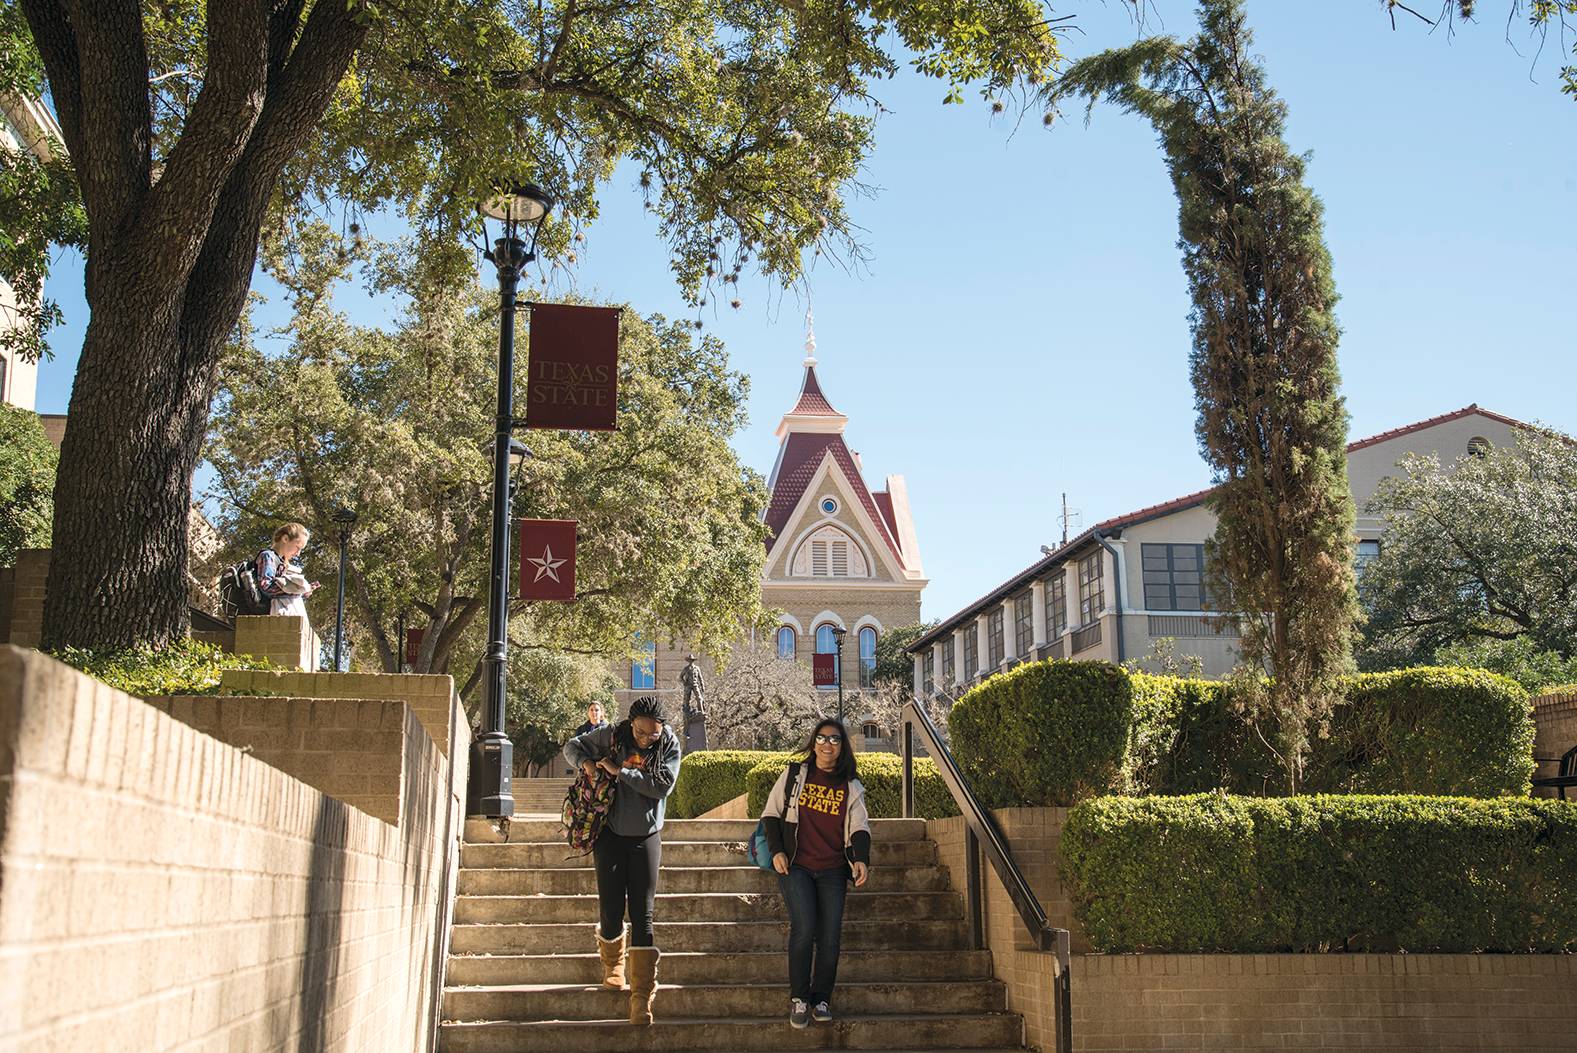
[[1555, 732]]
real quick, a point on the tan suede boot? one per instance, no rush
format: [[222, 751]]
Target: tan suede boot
[[643, 983], [612, 952]]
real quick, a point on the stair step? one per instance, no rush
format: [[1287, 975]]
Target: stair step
[[682, 968], [531, 830], [580, 881], [526, 1002], [708, 906], [915, 1032], [675, 853], [746, 937]]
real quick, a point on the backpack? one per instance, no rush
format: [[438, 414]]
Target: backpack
[[586, 806], [238, 586], [757, 849]]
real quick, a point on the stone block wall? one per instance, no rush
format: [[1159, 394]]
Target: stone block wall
[[162, 890], [26, 622], [430, 696], [287, 640], [1555, 732]]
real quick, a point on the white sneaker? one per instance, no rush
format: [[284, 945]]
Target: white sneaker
[[799, 1014], [822, 1013]]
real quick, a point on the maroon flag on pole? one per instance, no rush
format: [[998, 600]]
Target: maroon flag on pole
[[547, 559], [824, 670], [413, 644], [572, 379]]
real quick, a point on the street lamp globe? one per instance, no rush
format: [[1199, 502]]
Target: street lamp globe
[[518, 203]]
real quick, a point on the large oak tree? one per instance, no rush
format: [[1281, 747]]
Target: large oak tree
[[193, 125]]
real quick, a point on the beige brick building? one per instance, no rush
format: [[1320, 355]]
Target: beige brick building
[[840, 554], [25, 124]]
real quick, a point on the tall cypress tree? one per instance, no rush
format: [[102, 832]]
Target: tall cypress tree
[[1272, 424]]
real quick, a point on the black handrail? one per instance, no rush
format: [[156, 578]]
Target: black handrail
[[982, 832]]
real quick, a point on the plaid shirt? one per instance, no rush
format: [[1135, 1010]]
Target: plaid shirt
[[270, 567]]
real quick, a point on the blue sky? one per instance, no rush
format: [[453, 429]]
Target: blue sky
[[1021, 329]]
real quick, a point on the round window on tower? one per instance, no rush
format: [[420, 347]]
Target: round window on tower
[[829, 506]]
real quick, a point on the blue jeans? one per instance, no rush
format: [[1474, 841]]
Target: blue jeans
[[815, 906]]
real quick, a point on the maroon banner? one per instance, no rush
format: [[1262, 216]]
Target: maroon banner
[[572, 373], [824, 670], [547, 559], [413, 643]]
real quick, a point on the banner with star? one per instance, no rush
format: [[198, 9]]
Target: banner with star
[[547, 559]]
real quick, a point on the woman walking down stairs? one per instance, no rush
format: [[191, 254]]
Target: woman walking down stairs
[[522, 977]]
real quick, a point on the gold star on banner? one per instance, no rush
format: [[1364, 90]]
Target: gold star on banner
[[547, 565]]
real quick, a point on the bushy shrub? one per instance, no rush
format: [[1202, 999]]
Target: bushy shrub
[[1050, 732], [882, 774], [1362, 873], [188, 667], [1187, 737], [1428, 730], [708, 778]]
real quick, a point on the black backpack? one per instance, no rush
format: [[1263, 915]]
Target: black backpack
[[238, 586]]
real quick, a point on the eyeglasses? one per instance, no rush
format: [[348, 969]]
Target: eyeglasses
[[830, 740]]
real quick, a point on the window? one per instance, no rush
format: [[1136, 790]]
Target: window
[[1478, 446], [872, 733], [643, 670], [994, 639], [971, 652], [829, 506], [867, 657], [786, 642], [1024, 625], [1092, 597], [1056, 606], [1173, 577], [829, 553], [1367, 551], [827, 643], [947, 660], [928, 669]]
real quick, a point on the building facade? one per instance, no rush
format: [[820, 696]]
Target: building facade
[[1119, 587], [26, 125]]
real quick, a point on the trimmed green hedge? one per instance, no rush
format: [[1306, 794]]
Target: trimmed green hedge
[[186, 667], [1362, 873], [882, 774], [709, 778], [1058, 732], [1050, 732]]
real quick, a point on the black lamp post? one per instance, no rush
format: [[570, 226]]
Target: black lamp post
[[489, 792], [837, 636], [344, 519]]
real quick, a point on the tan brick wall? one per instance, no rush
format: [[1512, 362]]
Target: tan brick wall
[[1555, 732], [7, 586], [1396, 1003], [162, 890], [287, 640], [350, 749], [27, 598], [429, 695], [1255, 1002]]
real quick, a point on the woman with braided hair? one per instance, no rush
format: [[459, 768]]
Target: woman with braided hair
[[641, 755]]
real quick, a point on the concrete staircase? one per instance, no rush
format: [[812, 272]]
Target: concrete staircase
[[540, 796], [523, 973]]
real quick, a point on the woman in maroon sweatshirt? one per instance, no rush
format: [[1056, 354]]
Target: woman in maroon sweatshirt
[[820, 836]]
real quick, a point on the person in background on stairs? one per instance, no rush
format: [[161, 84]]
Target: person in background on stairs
[[820, 836], [641, 754], [595, 719]]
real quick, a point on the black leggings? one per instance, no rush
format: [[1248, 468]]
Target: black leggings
[[627, 874]]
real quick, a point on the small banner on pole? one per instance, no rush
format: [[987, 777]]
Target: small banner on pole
[[572, 373], [413, 644], [824, 670], [547, 559]]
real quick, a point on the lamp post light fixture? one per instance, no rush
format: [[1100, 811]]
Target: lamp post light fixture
[[344, 518], [838, 633], [521, 208]]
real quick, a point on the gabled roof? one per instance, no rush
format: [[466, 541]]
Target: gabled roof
[[802, 454], [1179, 504]]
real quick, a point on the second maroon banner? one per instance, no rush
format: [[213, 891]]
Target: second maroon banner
[[547, 559], [824, 670], [572, 371]]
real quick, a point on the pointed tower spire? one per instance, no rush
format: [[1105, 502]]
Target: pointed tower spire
[[810, 338]]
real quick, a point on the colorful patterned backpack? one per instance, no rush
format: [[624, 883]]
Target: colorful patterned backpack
[[586, 807]]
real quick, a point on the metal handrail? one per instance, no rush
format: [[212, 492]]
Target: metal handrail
[[981, 832]]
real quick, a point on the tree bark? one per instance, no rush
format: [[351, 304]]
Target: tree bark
[[169, 263]]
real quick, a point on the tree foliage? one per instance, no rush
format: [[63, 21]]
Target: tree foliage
[[1478, 553], [393, 424], [1540, 17], [893, 662], [1271, 425], [758, 701], [27, 483]]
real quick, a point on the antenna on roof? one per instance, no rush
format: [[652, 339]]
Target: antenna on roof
[[1069, 515], [810, 337]]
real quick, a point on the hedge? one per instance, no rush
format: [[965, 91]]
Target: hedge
[[1050, 732], [708, 778], [185, 667], [1058, 732], [1216, 873], [882, 774]]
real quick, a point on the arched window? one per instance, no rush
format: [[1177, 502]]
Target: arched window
[[827, 643], [829, 553], [872, 732], [867, 657], [643, 670], [786, 642], [1478, 446]]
